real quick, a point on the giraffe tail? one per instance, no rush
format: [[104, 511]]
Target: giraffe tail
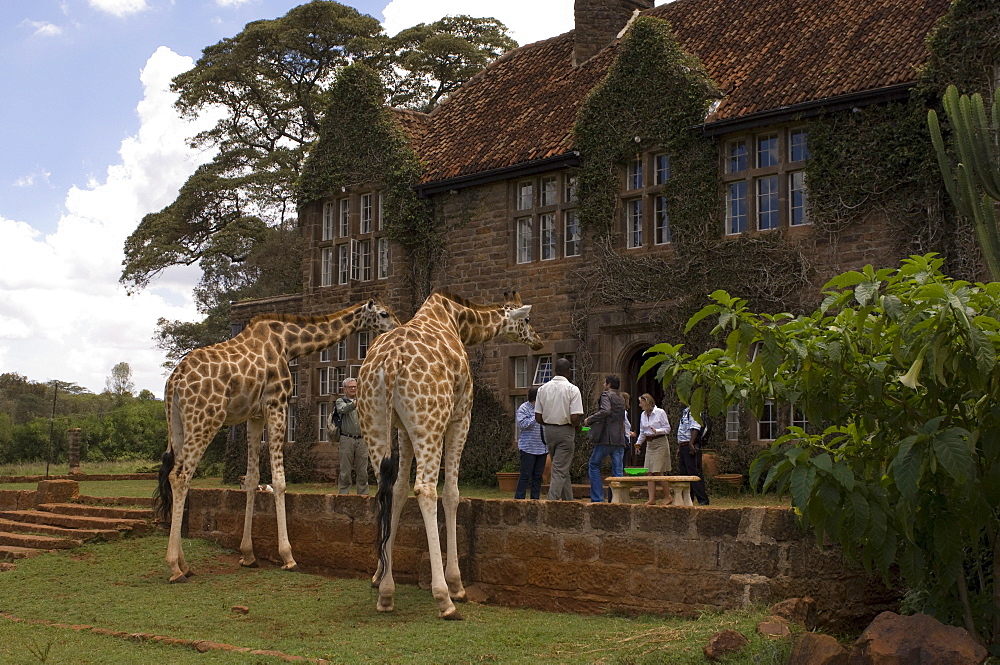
[[388, 470], [163, 495]]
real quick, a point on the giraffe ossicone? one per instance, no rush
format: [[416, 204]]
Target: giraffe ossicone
[[416, 380], [244, 379]]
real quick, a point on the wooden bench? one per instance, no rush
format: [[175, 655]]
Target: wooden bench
[[680, 486]]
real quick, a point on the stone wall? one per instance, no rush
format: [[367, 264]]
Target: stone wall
[[570, 556]]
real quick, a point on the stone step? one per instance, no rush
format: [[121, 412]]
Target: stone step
[[37, 542], [106, 512], [77, 521], [116, 500], [12, 552], [12, 526]]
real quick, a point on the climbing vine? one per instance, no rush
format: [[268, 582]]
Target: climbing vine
[[653, 93], [964, 50], [652, 97], [361, 143]]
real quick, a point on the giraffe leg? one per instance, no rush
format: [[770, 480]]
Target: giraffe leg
[[428, 468], [454, 443], [254, 430], [187, 453], [179, 570], [276, 439]]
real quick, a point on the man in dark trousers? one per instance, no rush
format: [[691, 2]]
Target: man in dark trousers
[[689, 442]]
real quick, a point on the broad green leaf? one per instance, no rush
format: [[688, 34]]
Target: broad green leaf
[[844, 280], [906, 468], [824, 462], [707, 310], [952, 452], [857, 512], [801, 484], [842, 472]]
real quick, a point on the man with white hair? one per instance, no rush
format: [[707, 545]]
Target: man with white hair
[[353, 450]]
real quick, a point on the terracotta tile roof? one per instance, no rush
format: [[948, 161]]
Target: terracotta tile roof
[[763, 54], [768, 54]]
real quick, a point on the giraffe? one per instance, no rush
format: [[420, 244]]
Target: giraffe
[[416, 379], [244, 379]]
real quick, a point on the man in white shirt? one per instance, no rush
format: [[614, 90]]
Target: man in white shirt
[[559, 407]]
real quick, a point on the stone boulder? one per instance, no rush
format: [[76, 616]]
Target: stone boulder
[[728, 641], [774, 628], [797, 610], [920, 639], [817, 649]]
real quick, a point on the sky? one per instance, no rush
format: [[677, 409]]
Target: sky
[[90, 142]]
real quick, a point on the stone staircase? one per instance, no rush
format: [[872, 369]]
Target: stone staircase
[[56, 517]]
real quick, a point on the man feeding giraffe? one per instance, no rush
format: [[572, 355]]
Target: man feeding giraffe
[[416, 379], [244, 379]]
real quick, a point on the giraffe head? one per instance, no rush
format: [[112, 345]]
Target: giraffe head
[[374, 315], [516, 325]]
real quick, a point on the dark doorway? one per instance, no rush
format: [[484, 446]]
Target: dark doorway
[[635, 386]]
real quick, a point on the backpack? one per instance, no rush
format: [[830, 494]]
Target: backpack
[[334, 425], [706, 429]]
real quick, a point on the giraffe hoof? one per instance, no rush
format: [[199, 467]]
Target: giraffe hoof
[[385, 608], [188, 573], [179, 579], [293, 567], [251, 564], [452, 616], [460, 597]]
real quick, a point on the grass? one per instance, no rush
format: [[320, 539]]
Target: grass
[[121, 586]]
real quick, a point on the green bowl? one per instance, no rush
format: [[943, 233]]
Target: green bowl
[[635, 471]]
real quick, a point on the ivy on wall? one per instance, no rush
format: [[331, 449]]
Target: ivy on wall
[[652, 97], [964, 50], [652, 94], [361, 143]]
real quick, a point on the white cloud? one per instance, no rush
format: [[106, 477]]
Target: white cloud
[[528, 20], [43, 29], [119, 8], [231, 3], [63, 313], [32, 178]]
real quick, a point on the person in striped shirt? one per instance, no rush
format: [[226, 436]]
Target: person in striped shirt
[[531, 448]]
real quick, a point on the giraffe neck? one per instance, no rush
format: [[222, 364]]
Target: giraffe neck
[[301, 336], [474, 326]]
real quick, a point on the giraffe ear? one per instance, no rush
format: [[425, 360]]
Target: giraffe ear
[[520, 313], [371, 303]]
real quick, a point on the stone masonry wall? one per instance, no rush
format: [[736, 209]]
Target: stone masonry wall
[[570, 556]]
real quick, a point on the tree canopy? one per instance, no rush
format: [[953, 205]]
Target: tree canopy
[[272, 83]]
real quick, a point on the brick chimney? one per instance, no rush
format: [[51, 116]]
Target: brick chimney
[[598, 22]]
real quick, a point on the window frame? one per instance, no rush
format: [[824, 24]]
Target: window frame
[[748, 208], [539, 230]]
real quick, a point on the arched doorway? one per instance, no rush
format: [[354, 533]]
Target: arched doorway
[[636, 386]]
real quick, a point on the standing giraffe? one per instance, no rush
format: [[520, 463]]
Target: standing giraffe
[[244, 379], [416, 379]]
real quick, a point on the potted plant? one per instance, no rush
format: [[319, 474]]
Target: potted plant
[[507, 477]]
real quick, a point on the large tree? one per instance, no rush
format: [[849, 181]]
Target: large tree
[[271, 81]]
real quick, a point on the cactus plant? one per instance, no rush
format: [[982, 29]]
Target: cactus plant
[[974, 184]]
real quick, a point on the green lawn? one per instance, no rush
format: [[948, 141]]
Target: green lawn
[[122, 587]]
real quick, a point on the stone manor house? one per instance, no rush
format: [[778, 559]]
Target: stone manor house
[[806, 155]]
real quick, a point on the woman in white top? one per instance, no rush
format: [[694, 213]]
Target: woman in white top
[[654, 426]]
